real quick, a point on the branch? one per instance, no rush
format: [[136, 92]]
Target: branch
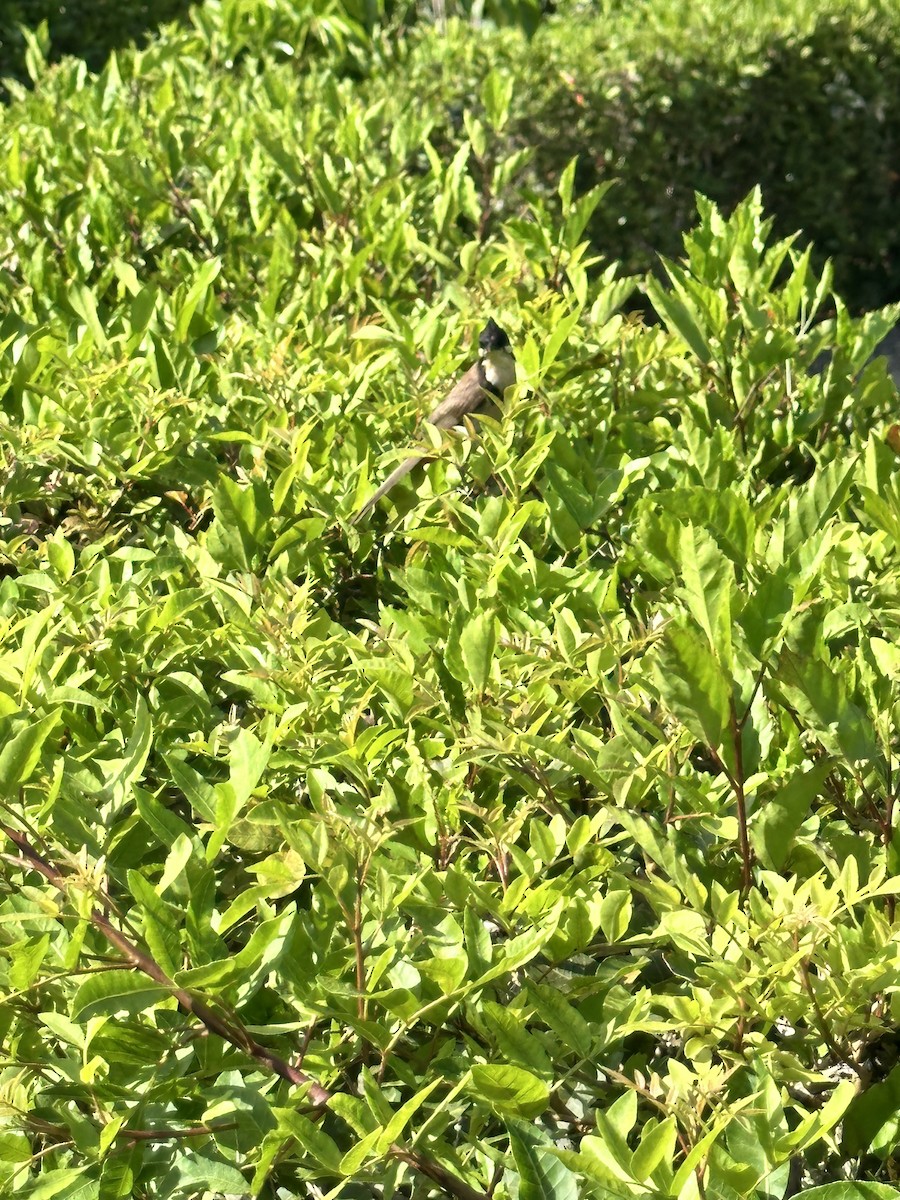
[[235, 1034], [828, 1038], [452, 1184], [231, 1032]]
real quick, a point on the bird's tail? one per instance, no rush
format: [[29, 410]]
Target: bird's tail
[[395, 476]]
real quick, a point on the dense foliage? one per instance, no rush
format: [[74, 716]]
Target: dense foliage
[[532, 839], [667, 97]]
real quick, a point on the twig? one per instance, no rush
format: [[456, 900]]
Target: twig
[[756, 686], [827, 1036], [162, 1135], [741, 803], [234, 1034]]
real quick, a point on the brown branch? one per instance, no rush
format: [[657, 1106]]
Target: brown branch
[[359, 950], [756, 686], [230, 1032], [235, 1034], [736, 783], [452, 1184]]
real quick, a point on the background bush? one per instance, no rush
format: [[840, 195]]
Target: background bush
[[666, 99], [86, 30], [669, 100]]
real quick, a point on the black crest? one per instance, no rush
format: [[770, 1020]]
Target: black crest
[[492, 337]]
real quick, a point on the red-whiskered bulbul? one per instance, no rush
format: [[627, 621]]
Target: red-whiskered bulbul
[[476, 392]]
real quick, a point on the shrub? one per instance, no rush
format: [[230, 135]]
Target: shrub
[[533, 838]]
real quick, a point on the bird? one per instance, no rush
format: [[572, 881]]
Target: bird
[[475, 392]]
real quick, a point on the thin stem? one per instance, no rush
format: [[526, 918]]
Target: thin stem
[[235, 1034], [736, 783], [740, 800], [827, 1036], [358, 948], [756, 686]]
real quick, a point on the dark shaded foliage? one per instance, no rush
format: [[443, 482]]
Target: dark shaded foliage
[[88, 29], [812, 119]]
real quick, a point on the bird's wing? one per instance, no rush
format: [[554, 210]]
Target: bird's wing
[[467, 396]]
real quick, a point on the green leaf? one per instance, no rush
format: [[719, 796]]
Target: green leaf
[[558, 338], [61, 556], [657, 1145], [542, 1176], [813, 505], [563, 751], [393, 680], [22, 752], [615, 1123], [692, 684], [496, 96], [775, 823], [64, 1029], [509, 1090], [365, 1150], [476, 648], [137, 749], [872, 1121], [14, 1148], [115, 992], [177, 858], [819, 691], [161, 927], [680, 316], [695, 1155], [522, 949], [84, 304], [206, 275], [479, 950], [26, 959], [192, 1173], [516, 1045], [64, 1182], [314, 1140], [401, 1118], [615, 914], [708, 581], [247, 760], [767, 612], [817, 1124], [109, 1133], [563, 1018], [567, 183], [852, 1191], [594, 1167], [237, 538]]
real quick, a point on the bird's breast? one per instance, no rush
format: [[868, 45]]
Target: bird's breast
[[499, 370]]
